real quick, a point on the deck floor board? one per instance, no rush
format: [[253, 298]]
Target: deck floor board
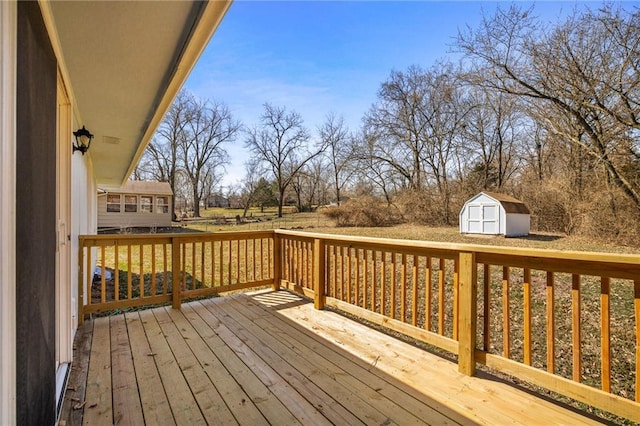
[[270, 358]]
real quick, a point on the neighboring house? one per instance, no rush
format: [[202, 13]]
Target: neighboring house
[[493, 214], [114, 67], [135, 204]]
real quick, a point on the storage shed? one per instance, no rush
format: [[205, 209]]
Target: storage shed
[[492, 213], [135, 204]]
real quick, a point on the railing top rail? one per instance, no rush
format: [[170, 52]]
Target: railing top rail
[[182, 235], [630, 259]]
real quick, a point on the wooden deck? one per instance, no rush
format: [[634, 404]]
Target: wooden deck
[[270, 358]]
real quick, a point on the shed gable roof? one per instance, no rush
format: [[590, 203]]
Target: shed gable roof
[[509, 203]]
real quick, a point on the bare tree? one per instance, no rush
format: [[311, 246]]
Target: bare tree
[[493, 132], [583, 72], [209, 127], [161, 156], [281, 143], [335, 135]]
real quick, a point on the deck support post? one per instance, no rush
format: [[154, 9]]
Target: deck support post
[[318, 273], [176, 274], [277, 261], [467, 304]]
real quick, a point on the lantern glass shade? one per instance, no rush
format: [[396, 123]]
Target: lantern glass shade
[[83, 140]]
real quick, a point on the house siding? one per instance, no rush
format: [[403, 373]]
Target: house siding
[[126, 220], [36, 104]]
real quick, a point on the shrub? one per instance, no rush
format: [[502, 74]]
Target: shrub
[[364, 212]]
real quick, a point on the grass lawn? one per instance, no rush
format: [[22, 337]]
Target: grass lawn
[[317, 222]]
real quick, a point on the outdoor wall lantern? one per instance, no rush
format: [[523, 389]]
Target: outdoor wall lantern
[[83, 140]]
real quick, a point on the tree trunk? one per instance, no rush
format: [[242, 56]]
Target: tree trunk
[[196, 204]]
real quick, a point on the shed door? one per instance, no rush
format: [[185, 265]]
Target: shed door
[[490, 218], [483, 219]]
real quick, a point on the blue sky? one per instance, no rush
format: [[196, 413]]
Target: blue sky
[[317, 57]]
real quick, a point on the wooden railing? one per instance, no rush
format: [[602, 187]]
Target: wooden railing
[[138, 270], [565, 321]]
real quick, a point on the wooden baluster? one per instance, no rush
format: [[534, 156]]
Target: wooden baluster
[[213, 264], [342, 283], [202, 263], [129, 270], [116, 274], [455, 297], [334, 268], [393, 285], [414, 293], [277, 261], [194, 265], [221, 263], [175, 274], [427, 293], [605, 336], [357, 283], [551, 352], [403, 289], [383, 282], [506, 340], [575, 327], [238, 261], [261, 260], [253, 260], [103, 282], [129, 273], [153, 272], [230, 263], [270, 262], [349, 260], [441, 266], [486, 296], [319, 273], [374, 279], [636, 309], [165, 276], [365, 275], [527, 315]]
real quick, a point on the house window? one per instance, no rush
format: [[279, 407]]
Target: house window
[[146, 203], [113, 203], [130, 203], [162, 204]]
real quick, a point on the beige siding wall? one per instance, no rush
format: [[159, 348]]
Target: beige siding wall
[[123, 219]]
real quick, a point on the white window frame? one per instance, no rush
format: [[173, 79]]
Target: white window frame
[[149, 205]]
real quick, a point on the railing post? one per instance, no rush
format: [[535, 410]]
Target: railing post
[[176, 285], [277, 261], [81, 282], [467, 317], [318, 273]]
